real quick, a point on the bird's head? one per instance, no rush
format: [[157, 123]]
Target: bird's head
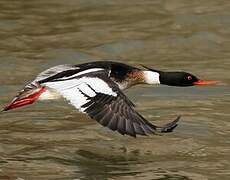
[[182, 79]]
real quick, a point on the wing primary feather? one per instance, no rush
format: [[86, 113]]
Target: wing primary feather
[[100, 115], [129, 128], [147, 129], [170, 126], [103, 99], [121, 126], [138, 129], [105, 119], [113, 122]]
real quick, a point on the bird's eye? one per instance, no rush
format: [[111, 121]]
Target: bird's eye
[[189, 78]]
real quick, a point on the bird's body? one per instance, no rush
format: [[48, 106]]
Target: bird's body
[[123, 75], [96, 88]]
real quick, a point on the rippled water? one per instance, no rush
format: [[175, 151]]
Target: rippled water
[[53, 141]]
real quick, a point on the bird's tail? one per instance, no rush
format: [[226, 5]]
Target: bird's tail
[[26, 96]]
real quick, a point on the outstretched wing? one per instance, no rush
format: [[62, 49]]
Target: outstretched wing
[[117, 114], [98, 96]]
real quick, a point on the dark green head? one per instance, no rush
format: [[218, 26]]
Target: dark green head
[[182, 79]]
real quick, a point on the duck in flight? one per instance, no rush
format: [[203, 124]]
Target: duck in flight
[[95, 88]]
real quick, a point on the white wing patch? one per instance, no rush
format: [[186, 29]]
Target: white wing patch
[[73, 89]]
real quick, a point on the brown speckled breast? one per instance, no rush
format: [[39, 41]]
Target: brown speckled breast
[[131, 79]]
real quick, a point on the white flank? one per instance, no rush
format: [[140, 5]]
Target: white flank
[[152, 77], [72, 89]]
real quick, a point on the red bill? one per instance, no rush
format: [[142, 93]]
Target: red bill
[[205, 82]]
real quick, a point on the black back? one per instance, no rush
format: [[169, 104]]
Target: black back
[[119, 71]]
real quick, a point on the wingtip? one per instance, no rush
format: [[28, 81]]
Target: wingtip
[[169, 127]]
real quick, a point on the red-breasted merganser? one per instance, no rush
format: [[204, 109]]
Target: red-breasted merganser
[[95, 88]]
